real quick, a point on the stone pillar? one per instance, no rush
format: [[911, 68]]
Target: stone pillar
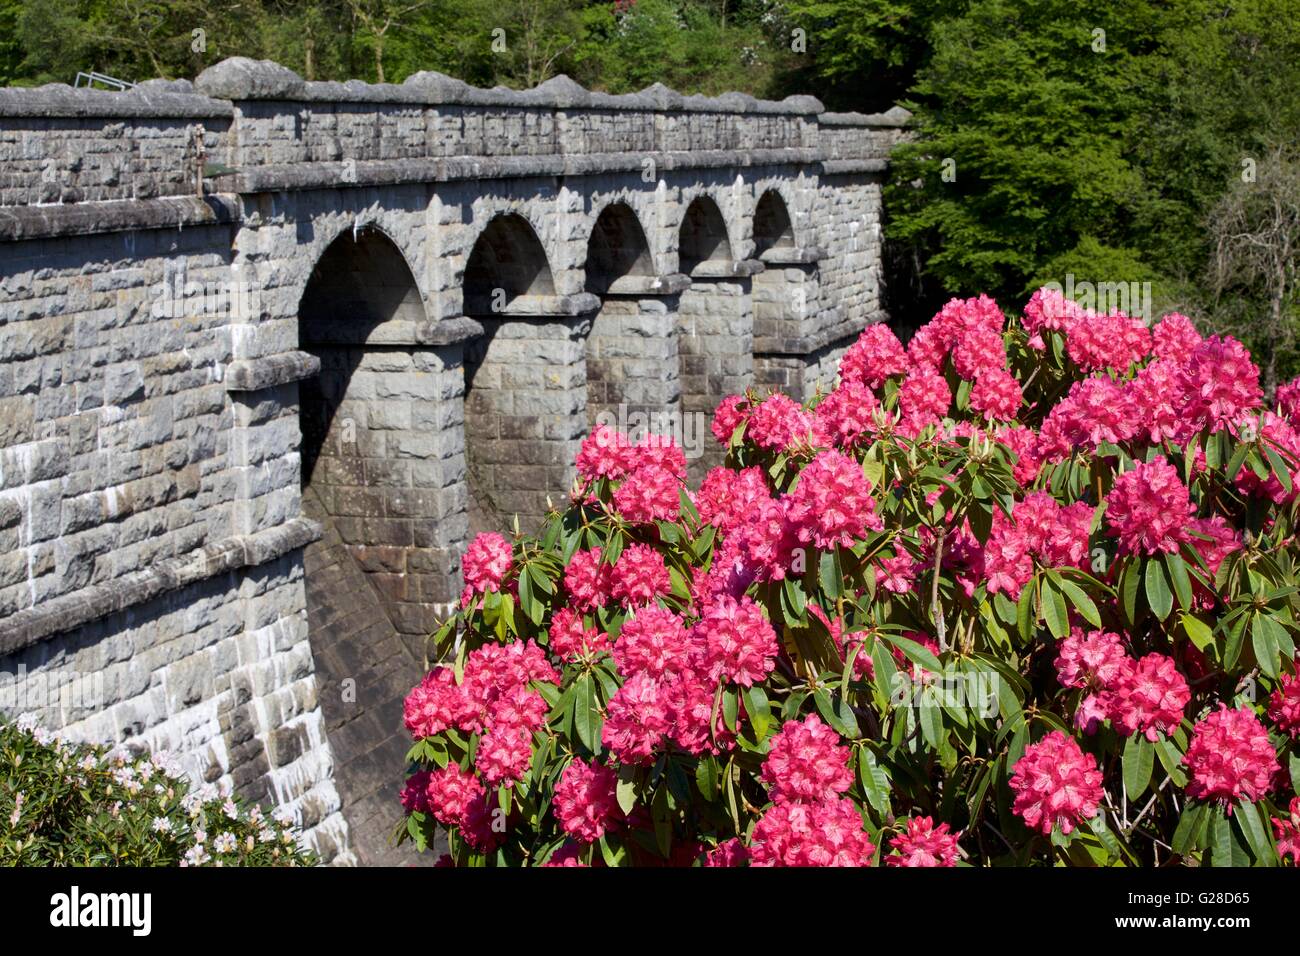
[[716, 346], [525, 409], [632, 359]]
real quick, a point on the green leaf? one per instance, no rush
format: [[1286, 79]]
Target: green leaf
[[760, 712], [1252, 828], [1279, 469], [1220, 838], [1160, 597], [1054, 610], [1025, 613], [1176, 568], [1267, 654], [1190, 825], [707, 778], [875, 784], [1128, 591], [1082, 603], [837, 713], [586, 717], [626, 794], [1139, 761], [1198, 631]]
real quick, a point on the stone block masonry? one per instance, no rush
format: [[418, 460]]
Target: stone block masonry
[[248, 423]]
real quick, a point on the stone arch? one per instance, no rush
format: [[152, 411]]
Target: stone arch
[[772, 226], [703, 236], [374, 464], [524, 377], [617, 248]]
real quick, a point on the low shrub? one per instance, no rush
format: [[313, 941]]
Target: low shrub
[[67, 804]]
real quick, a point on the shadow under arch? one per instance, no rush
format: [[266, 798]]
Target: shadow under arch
[[370, 595], [519, 379], [772, 227], [703, 236]]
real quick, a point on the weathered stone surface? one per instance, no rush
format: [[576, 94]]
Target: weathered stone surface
[[398, 307]]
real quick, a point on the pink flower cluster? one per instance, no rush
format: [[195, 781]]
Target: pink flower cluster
[[832, 504], [807, 762], [651, 471], [1146, 696], [1230, 757], [484, 567], [634, 580], [494, 699], [924, 845], [825, 833], [1284, 706], [1040, 528], [571, 639], [1055, 784], [585, 803], [1149, 509]]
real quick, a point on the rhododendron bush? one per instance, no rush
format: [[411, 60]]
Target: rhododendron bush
[[1020, 592]]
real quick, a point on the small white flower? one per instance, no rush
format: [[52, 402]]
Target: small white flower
[[230, 810], [162, 825], [27, 723], [18, 810], [282, 816], [195, 856], [225, 843]]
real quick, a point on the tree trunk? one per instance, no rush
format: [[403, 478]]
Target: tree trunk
[[379, 57]]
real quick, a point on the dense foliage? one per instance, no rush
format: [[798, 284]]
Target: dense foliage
[[1020, 593], [66, 804]]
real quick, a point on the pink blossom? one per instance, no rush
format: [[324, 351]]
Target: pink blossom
[[779, 424], [996, 393], [1107, 341], [832, 504], [725, 495], [728, 853], [636, 720], [731, 411], [1094, 659], [605, 453], [923, 398], [827, 833], [846, 415], [1230, 757], [924, 845], [874, 357], [585, 803], [1148, 697], [1223, 383], [649, 494], [485, 564], [737, 641], [640, 575], [1287, 832], [1149, 509], [1055, 784], [572, 640], [1049, 310], [1284, 705], [588, 580], [654, 642], [1175, 338], [449, 794], [807, 762]]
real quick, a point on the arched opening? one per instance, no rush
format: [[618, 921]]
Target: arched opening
[[772, 228], [631, 350], [703, 236], [715, 338], [523, 381], [507, 262], [373, 475]]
